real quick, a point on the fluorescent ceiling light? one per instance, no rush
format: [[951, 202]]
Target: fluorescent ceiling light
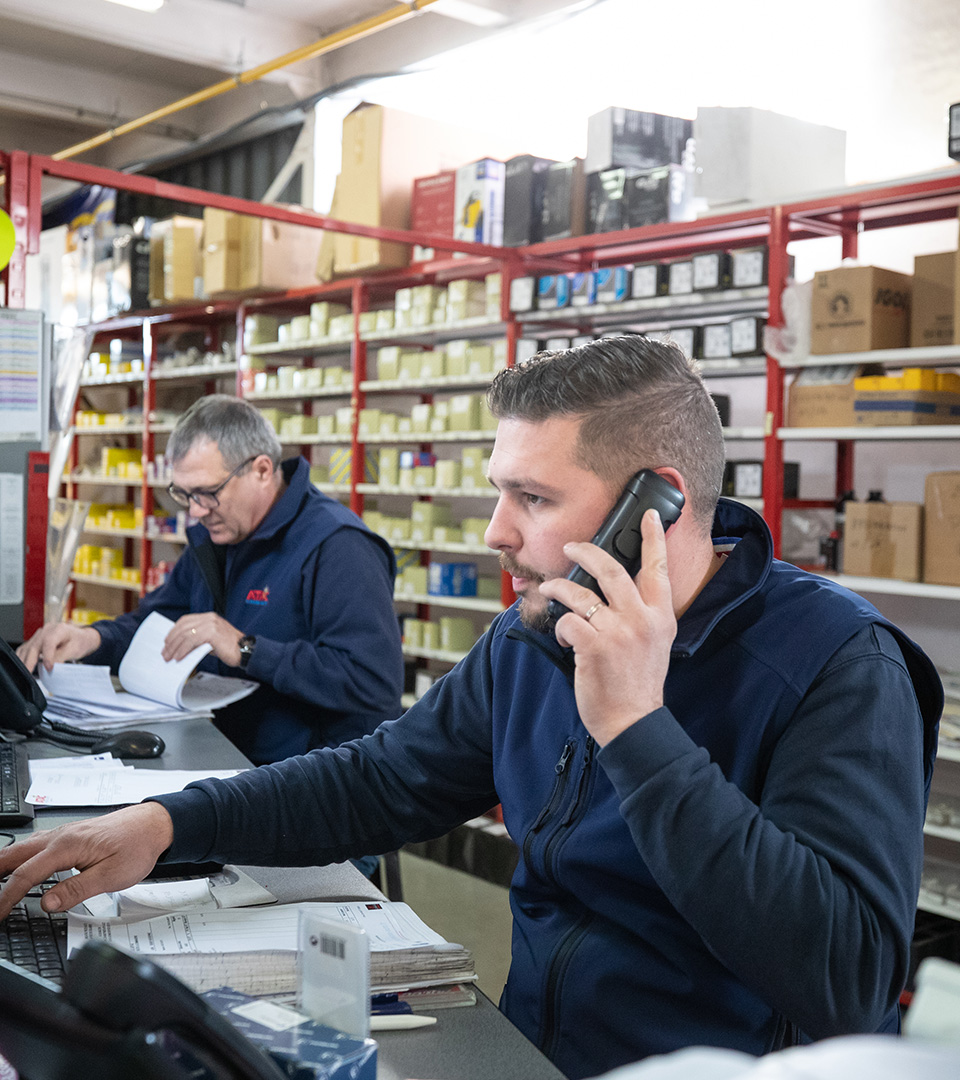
[[464, 11], [140, 5]]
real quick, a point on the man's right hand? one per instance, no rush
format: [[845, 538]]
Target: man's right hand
[[58, 642], [111, 852]]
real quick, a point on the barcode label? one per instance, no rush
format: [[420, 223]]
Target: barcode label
[[333, 946]]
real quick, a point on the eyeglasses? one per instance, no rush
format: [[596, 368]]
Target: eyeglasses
[[207, 500]]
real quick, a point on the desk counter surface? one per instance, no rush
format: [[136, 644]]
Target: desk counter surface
[[472, 1043]]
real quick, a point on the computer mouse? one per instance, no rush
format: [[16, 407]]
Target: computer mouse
[[130, 744]]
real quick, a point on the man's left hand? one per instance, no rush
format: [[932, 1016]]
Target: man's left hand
[[623, 648], [189, 631]]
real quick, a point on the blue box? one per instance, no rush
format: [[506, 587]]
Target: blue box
[[304, 1049], [553, 291], [582, 289], [452, 579], [611, 284]]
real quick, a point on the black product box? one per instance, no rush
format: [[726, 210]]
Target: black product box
[[744, 479], [130, 276], [711, 271], [303, 1048], [606, 200], [748, 268], [746, 335], [953, 141], [523, 192], [655, 196], [680, 277], [564, 200], [649, 280], [722, 402], [619, 137], [716, 341]]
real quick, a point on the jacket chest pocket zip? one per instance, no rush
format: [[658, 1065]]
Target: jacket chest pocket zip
[[556, 796]]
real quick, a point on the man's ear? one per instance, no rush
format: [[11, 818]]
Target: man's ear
[[263, 467]]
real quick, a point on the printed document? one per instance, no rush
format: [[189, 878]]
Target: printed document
[[153, 688]]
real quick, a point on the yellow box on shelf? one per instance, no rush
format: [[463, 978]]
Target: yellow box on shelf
[[297, 424], [389, 463], [388, 362], [465, 412], [447, 534], [473, 529], [448, 472], [413, 580], [413, 633], [341, 464], [431, 635], [456, 634]]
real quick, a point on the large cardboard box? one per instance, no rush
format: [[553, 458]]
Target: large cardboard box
[[822, 397], [432, 207], [384, 150], [242, 253], [858, 308], [883, 540], [931, 310], [746, 155], [941, 528], [176, 264]]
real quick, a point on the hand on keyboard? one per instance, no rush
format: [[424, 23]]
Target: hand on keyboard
[[111, 852]]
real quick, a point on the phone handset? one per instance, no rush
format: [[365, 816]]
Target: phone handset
[[619, 535]]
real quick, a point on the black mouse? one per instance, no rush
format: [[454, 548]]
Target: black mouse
[[130, 744]]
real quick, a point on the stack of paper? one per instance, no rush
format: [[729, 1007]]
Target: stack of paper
[[153, 688], [207, 949]]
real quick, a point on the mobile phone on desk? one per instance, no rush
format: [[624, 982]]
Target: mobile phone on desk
[[619, 535]]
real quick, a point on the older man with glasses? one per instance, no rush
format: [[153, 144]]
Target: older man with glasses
[[287, 587]]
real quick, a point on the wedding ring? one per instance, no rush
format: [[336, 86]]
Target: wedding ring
[[593, 610], [193, 629]]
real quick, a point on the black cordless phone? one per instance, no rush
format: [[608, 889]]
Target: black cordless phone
[[620, 533]]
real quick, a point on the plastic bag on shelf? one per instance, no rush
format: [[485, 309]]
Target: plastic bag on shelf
[[791, 342]]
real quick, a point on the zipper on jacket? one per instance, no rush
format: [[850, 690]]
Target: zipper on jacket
[[558, 788], [578, 804], [558, 965]]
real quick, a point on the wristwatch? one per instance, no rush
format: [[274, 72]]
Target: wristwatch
[[247, 644]]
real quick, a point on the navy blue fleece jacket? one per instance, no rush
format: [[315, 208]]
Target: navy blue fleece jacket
[[315, 587], [739, 863]]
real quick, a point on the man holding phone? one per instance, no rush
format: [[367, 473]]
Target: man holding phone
[[716, 775]]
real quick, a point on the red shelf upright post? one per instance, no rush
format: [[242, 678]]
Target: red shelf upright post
[[777, 266], [360, 298]]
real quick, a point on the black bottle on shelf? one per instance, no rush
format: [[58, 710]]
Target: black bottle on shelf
[[875, 496]]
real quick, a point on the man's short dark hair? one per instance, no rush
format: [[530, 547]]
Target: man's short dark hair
[[238, 429], [642, 404]]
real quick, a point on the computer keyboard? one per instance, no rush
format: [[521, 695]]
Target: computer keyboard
[[34, 939], [14, 785]]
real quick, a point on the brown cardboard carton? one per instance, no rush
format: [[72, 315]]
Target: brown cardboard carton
[[941, 528], [277, 255], [883, 540], [176, 242], [221, 252], [384, 151], [822, 397], [857, 308], [931, 311], [905, 408]]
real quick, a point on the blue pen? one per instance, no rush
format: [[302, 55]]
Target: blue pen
[[390, 1008]]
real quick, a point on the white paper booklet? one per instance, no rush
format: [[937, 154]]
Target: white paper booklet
[[151, 685]]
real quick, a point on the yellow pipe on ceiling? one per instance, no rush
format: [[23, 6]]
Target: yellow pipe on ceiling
[[307, 52]]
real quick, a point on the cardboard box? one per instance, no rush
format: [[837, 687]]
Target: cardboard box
[[883, 540], [619, 137], [932, 307], [746, 155], [244, 254], [941, 528], [525, 180], [478, 208], [564, 200], [905, 408], [176, 259], [823, 397], [858, 308]]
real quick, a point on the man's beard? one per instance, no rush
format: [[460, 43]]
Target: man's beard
[[532, 618]]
